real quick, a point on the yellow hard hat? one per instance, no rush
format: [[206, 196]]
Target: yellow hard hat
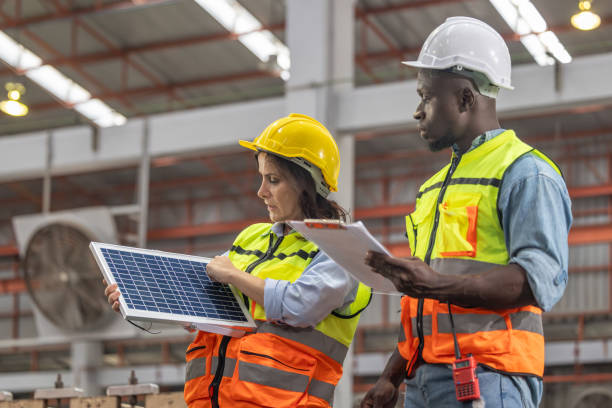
[[306, 142]]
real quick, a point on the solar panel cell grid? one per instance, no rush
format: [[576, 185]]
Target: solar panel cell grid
[[158, 283]]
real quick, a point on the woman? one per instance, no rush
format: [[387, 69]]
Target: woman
[[306, 307]]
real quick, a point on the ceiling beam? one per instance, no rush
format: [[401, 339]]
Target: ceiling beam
[[121, 5], [408, 6], [168, 88], [66, 14], [376, 107], [128, 52]]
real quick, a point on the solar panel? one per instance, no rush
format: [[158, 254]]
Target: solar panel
[[167, 287]]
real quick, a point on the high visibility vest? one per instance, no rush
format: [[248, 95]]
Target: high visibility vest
[[278, 365], [456, 229]]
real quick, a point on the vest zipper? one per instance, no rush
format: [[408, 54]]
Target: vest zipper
[[265, 257], [432, 238], [432, 241], [415, 231], [213, 389]]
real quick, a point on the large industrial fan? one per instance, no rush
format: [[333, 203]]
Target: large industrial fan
[[61, 275]]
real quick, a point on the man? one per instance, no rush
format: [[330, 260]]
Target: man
[[488, 237]]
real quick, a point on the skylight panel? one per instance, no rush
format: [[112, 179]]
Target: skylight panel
[[525, 20], [57, 84], [261, 42]]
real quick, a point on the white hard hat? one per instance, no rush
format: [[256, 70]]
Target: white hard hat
[[466, 44]]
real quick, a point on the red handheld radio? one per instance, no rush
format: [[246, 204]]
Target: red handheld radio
[[466, 381], [464, 370]]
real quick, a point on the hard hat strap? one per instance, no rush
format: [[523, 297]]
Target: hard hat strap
[[482, 83], [317, 175], [320, 184]]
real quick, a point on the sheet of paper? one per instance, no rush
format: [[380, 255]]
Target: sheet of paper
[[347, 247]]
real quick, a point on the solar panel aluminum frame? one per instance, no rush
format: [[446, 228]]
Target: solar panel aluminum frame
[[221, 326]]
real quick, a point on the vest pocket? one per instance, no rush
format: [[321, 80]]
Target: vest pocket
[[270, 372], [458, 229], [197, 373], [418, 226], [477, 333]]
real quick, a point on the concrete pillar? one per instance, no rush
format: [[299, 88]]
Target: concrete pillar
[[345, 196], [86, 357], [320, 36]]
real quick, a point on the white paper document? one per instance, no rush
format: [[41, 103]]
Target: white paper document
[[347, 245]]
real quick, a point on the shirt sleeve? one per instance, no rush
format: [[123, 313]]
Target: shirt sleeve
[[322, 288], [536, 217]]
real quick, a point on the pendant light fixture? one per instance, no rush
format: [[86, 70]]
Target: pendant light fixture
[[12, 106], [585, 20]]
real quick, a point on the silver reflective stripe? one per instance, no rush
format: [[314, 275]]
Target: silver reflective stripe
[[470, 323], [426, 326], [323, 390], [228, 368], [309, 337], [272, 377], [473, 322], [402, 334], [455, 266], [527, 321], [195, 368]]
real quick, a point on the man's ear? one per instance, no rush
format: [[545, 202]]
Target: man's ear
[[467, 99]]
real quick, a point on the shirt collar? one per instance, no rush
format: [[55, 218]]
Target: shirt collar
[[278, 229], [480, 139]]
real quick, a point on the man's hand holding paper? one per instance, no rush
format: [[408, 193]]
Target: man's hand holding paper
[[347, 245], [410, 276]]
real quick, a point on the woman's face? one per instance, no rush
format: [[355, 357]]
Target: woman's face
[[278, 192]]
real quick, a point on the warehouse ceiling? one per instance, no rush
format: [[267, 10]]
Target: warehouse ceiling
[[148, 56]]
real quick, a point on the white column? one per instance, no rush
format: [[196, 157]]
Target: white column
[[86, 359], [320, 39], [343, 397]]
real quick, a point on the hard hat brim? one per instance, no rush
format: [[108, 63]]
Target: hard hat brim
[[248, 145], [415, 64], [420, 65]]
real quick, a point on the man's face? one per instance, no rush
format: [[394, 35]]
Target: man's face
[[438, 112]]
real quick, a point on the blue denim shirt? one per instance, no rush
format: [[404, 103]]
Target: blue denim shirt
[[323, 287], [536, 218]]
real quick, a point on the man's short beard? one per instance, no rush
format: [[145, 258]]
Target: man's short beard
[[441, 143]]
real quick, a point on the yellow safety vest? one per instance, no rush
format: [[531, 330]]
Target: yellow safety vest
[[278, 365], [456, 229]]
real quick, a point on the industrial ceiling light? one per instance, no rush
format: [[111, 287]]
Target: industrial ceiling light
[[251, 33], [57, 84], [526, 21], [585, 19], [13, 106]]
